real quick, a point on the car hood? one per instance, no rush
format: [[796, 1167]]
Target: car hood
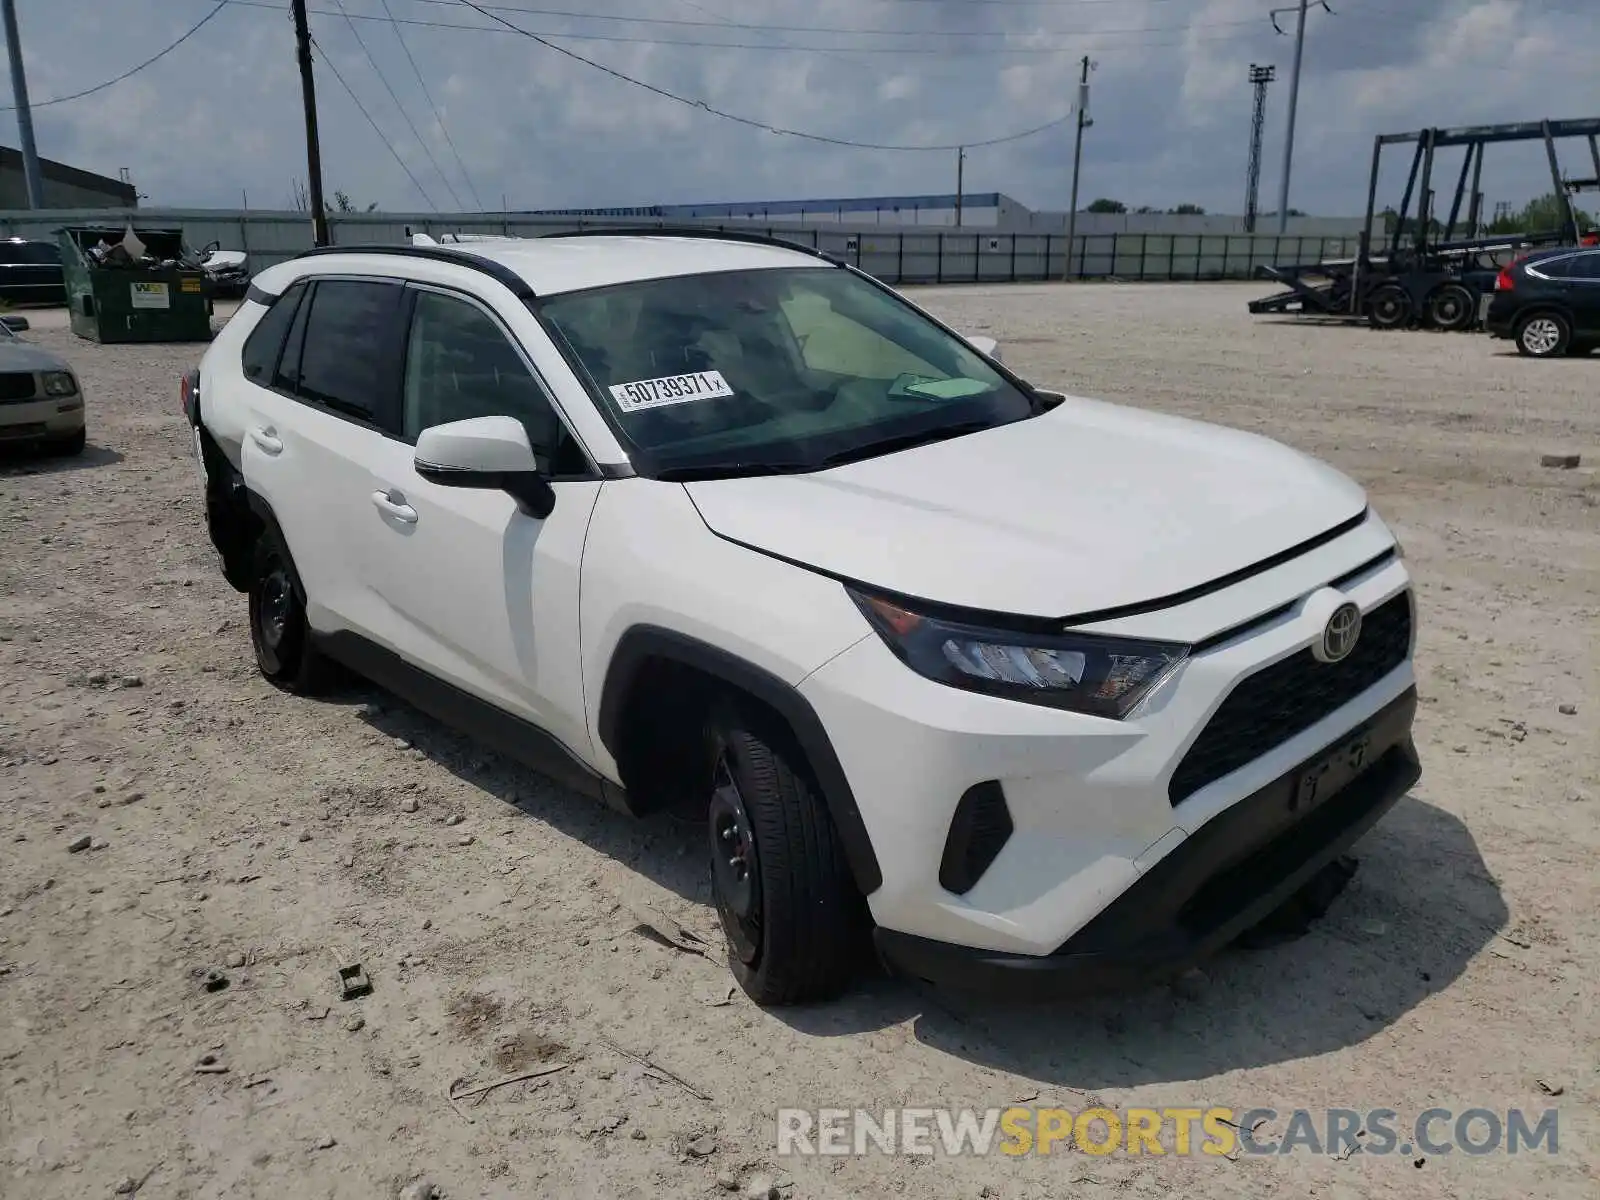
[[20, 356], [1090, 507]]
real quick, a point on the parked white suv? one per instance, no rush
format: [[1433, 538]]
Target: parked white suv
[[1049, 694]]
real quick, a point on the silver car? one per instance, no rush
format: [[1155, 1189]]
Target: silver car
[[41, 400]]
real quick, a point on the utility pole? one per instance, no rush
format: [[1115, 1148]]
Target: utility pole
[[32, 177], [1260, 77], [961, 171], [1084, 121], [308, 98], [1294, 100]]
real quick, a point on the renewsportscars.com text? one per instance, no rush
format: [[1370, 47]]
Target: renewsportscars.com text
[[1214, 1132]]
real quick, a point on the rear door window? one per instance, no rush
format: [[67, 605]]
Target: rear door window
[[264, 346], [351, 353]]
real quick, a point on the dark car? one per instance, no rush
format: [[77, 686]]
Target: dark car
[[1549, 302], [30, 272]]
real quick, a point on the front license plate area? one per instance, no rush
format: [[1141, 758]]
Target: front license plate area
[[1331, 772]]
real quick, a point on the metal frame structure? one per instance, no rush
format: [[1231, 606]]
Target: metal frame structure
[[1427, 275], [1260, 77]]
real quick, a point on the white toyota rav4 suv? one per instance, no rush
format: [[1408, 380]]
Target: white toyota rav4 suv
[[1047, 693]]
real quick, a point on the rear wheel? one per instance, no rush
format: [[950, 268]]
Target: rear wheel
[[1389, 307], [278, 628], [783, 891], [1543, 335], [1450, 307]]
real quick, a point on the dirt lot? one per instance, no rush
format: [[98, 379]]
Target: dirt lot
[[269, 838]]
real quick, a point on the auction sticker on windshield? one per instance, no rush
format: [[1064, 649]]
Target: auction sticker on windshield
[[671, 389]]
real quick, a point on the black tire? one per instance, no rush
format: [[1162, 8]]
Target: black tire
[[1543, 335], [789, 908], [1451, 307], [70, 445], [278, 628], [1389, 307]]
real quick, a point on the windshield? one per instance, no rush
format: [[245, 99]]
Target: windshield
[[777, 369]]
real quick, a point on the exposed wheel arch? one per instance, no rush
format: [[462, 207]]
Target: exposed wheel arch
[[231, 519], [659, 679]]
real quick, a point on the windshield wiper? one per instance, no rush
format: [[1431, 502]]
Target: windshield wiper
[[905, 441], [735, 470]]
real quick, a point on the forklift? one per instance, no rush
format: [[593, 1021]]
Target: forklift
[[1425, 276]]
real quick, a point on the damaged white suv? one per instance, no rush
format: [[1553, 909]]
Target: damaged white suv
[[1043, 693]]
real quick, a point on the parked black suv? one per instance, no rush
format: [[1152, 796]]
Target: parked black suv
[[1549, 303], [30, 272]]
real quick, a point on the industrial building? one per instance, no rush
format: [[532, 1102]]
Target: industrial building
[[64, 186]]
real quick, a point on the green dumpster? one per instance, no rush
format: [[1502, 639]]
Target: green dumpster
[[133, 285]]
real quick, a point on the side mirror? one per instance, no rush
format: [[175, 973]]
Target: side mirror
[[986, 346], [485, 452], [15, 324], [1050, 398]]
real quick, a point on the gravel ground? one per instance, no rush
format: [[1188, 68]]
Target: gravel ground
[[271, 839]]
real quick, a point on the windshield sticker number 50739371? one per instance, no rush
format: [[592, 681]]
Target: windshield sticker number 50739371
[[671, 389]]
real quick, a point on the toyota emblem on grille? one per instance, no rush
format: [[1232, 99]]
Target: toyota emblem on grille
[[1340, 635]]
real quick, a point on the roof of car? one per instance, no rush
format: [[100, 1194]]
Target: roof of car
[[555, 265]]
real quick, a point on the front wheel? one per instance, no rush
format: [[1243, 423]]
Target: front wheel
[[73, 443], [1544, 335], [1389, 307], [278, 628], [788, 905]]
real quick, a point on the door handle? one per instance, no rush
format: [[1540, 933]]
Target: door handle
[[266, 439], [386, 503]]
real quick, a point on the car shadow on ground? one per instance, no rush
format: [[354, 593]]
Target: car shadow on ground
[[28, 460], [1421, 907]]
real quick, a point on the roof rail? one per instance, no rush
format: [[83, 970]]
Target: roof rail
[[499, 272], [695, 231]]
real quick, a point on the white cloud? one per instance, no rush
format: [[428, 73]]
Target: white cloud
[[1171, 104]]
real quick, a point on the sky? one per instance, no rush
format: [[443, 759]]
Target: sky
[[477, 118]]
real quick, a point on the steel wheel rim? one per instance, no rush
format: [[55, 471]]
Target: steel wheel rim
[[735, 867], [1387, 309], [1541, 335], [277, 596]]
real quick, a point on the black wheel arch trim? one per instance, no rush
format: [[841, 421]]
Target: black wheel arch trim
[[262, 509], [643, 643]]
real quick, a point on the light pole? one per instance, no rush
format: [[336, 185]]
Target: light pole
[[1294, 100], [1260, 77], [1084, 121], [33, 179]]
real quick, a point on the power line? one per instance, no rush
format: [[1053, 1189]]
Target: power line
[[757, 27], [437, 114], [749, 121], [154, 58], [404, 116], [952, 52], [349, 91]]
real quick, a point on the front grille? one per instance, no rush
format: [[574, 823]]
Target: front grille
[[19, 433], [1270, 707], [17, 385]]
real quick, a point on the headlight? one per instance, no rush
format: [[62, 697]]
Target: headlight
[[1101, 676], [60, 383]]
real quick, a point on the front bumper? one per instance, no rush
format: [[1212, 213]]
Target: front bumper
[[1222, 880], [44, 419]]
